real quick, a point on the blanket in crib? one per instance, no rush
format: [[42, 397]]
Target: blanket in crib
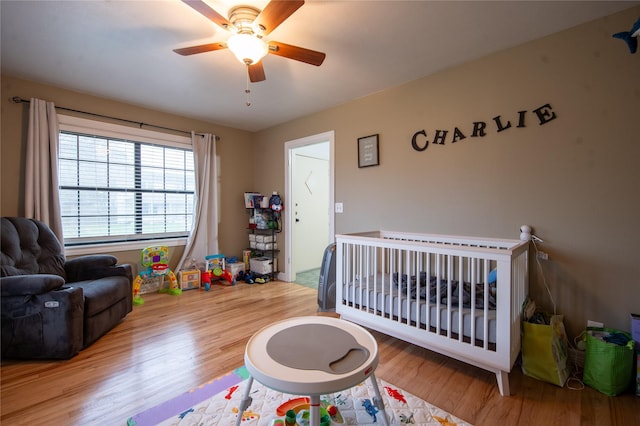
[[430, 291]]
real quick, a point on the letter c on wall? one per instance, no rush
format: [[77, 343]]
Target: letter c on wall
[[414, 142]]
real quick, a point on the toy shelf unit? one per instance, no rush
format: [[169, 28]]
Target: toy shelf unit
[[264, 225], [264, 252], [263, 243]]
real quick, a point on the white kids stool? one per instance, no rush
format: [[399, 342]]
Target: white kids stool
[[311, 356]]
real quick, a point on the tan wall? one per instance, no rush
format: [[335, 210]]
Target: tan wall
[[574, 179], [234, 145]]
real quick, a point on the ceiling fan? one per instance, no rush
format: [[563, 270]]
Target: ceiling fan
[[249, 25]]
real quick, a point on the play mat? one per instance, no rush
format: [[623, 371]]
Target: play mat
[[216, 402]]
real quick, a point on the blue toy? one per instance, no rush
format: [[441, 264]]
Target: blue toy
[[630, 37], [493, 276]]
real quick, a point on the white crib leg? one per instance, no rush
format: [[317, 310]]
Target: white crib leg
[[503, 382]]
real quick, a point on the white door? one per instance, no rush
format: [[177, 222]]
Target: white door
[[310, 225], [308, 212]]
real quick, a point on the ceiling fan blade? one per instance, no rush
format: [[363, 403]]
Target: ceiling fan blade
[[256, 72], [298, 53], [206, 11], [209, 47], [275, 12]]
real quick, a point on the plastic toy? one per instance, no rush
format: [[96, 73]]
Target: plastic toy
[[290, 418], [189, 279], [205, 279], [302, 418], [215, 263], [155, 258], [215, 266], [137, 284], [283, 409], [630, 37], [226, 275], [275, 202], [296, 412]]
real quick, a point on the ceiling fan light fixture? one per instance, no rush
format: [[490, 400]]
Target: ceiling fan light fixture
[[248, 48]]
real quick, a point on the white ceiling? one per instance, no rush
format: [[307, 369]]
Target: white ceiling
[[122, 50]]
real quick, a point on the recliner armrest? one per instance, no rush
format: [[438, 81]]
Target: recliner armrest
[[28, 285], [95, 266]]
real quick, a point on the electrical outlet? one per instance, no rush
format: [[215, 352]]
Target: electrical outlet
[[339, 208], [543, 255]]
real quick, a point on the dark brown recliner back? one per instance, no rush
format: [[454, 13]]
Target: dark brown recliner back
[[30, 247]]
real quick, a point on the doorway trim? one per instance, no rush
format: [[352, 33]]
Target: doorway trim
[[289, 147]]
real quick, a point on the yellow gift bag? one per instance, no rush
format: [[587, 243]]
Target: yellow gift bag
[[544, 349]]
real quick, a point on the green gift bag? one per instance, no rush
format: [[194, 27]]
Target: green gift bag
[[608, 367], [544, 351]]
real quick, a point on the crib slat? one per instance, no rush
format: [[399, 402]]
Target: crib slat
[[438, 292], [461, 299], [407, 296], [419, 284], [367, 279], [354, 278], [429, 259], [485, 327], [473, 279], [449, 324]]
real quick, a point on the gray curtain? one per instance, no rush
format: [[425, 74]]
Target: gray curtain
[[203, 239], [41, 196]]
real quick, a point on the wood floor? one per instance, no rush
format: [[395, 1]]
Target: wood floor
[[174, 343]]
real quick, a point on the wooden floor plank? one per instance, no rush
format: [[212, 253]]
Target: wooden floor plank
[[174, 343]]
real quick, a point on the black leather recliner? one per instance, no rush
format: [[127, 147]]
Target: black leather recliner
[[51, 308]]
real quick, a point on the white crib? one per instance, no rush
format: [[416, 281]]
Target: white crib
[[420, 288]]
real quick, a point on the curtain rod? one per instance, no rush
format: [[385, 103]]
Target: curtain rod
[[18, 100]]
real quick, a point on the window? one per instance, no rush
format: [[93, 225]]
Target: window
[[121, 184]]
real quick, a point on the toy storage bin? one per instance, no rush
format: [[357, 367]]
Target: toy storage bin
[[266, 246], [235, 268], [264, 238], [263, 265]]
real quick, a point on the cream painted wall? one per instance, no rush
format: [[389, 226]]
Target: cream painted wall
[[575, 179], [234, 145]]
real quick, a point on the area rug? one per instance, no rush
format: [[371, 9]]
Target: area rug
[[216, 403], [309, 278]]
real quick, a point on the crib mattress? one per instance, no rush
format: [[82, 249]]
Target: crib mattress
[[394, 305]]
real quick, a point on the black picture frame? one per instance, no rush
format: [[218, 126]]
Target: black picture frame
[[368, 151]]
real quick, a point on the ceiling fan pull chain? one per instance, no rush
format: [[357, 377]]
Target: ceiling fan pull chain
[[247, 92]]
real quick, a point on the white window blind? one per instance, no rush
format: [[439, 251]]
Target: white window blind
[[121, 184]]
